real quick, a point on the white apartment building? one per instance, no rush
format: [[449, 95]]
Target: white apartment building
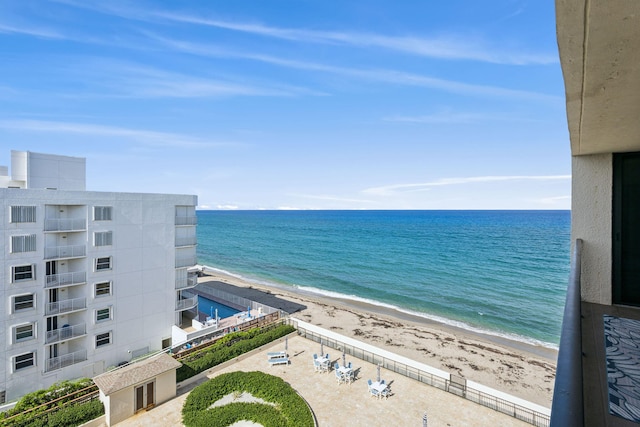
[[88, 279]]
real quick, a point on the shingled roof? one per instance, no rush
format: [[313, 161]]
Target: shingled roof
[[135, 373]]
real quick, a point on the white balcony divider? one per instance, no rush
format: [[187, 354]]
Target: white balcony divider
[[186, 303], [65, 279], [65, 306], [70, 251], [65, 360], [65, 224], [66, 333], [186, 220]]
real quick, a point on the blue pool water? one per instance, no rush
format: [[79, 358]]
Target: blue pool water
[[208, 307]]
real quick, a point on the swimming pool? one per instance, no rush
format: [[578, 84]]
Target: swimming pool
[[208, 307]]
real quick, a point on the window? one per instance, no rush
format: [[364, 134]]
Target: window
[[23, 214], [103, 238], [103, 263], [626, 234], [102, 213], [23, 243], [23, 272], [103, 339], [23, 302], [23, 332], [103, 314], [103, 289], [24, 361]]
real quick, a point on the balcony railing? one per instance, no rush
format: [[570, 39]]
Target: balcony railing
[[186, 220], [65, 306], [186, 282], [186, 241], [65, 224], [65, 360], [59, 252], [186, 261], [186, 303], [65, 279], [567, 408], [66, 333]]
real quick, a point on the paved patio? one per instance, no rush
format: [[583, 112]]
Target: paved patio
[[346, 405]]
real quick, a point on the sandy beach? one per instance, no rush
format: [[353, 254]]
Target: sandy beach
[[513, 367]]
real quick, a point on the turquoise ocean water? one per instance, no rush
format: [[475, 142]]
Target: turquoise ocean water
[[500, 272]]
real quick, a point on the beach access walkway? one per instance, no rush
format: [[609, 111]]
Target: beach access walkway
[[338, 405]]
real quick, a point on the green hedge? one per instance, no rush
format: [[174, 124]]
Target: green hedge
[[289, 409], [69, 415], [227, 348]]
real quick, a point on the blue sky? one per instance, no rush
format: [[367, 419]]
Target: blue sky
[[301, 104]]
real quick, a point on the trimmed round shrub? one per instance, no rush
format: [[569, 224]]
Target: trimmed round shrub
[[289, 409]]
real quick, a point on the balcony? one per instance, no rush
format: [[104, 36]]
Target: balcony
[[186, 241], [186, 261], [65, 279], [65, 224], [65, 306], [66, 333], [65, 360], [186, 303], [62, 252], [186, 220], [186, 282]]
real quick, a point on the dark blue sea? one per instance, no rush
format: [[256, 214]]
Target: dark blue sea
[[498, 272]]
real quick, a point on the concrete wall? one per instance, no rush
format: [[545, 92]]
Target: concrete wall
[[591, 221]]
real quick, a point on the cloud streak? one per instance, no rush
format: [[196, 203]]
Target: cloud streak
[[152, 138], [389, 190], [442, 47]]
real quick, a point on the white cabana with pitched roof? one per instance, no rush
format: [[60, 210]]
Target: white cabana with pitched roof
[[136, 387]]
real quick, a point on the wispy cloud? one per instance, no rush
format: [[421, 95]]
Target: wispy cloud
[[373, 75], [553, 200], [452, 117], [388, 190], [146, 137], [441, 47], [31, 31]]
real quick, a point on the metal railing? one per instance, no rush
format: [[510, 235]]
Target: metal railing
[[65, 224], [186, 220], [186, 282], [65, 279], [65, 306], [71, 251], [520, 412], [567, 408], [65, 360], [232, 300], [186, 241], [186, 261], [66, 333], [186, 303]]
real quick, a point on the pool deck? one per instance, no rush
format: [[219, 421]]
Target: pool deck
[[340, 404]]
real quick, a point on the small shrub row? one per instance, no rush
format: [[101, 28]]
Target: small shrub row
[[227, 348], [290, 409], [73, 414]]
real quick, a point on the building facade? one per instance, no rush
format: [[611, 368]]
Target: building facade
[[88, 279]]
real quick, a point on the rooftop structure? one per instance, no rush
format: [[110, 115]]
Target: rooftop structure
[[599, 46], [89, 279]]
